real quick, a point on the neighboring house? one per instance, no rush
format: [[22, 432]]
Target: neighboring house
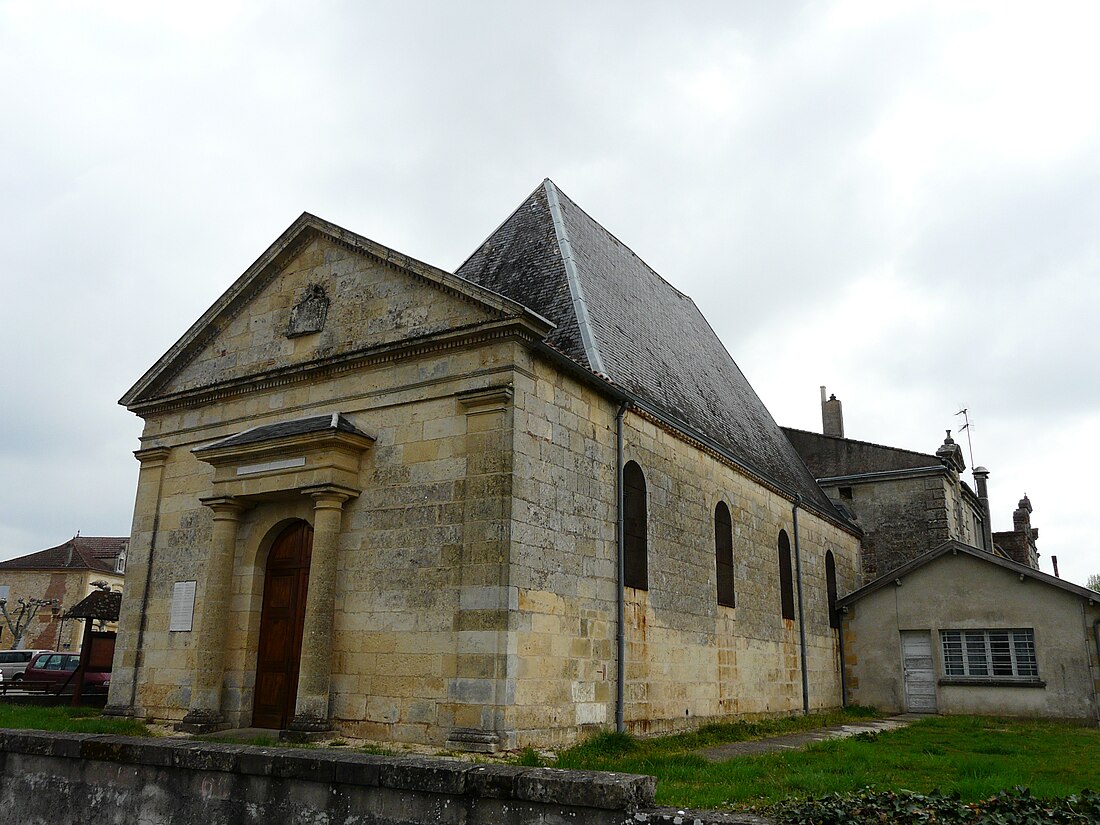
[[62, 575], [959, 630], [385, 498], [906, 502]]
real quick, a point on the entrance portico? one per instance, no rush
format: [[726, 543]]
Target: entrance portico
[[317, 457]]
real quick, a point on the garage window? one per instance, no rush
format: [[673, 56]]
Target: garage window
[[992, 654]]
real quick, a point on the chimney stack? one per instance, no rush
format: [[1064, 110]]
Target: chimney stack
[[981, 479], [832, 416]]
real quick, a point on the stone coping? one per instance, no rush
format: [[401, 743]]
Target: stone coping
[[592, 789]]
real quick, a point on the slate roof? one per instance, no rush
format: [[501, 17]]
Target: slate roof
[[617, 317], [953, 546], [829, 456], [299, 426], [78, 553]]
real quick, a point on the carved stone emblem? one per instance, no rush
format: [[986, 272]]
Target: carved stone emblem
[[308, 315]]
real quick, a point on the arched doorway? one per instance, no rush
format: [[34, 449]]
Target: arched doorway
[[281, 620]]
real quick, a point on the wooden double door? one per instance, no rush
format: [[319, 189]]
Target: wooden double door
[[281, 620]]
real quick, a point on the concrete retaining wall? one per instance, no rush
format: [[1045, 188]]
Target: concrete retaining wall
[[61, 778]]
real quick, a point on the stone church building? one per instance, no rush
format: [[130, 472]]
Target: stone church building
[[485, 509]]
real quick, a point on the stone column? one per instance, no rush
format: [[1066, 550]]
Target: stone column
[[311, 710], [206, 690], [139, 562]]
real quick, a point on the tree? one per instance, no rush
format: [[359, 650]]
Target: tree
[[28, 609], [1093, 582]]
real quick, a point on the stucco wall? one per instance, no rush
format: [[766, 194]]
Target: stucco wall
[[46, 631], [962, 592]]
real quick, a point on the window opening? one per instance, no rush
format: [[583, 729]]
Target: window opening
[[786, 579], [723, 554], [636, 566], [993, 654]]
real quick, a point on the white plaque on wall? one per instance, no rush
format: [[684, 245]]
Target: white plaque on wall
[[183, 605]]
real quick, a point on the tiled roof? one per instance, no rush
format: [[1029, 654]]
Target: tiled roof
[[99, 604], [618, 317], [300, 426], [78, 553]]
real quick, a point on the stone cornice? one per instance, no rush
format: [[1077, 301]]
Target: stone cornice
[[886, 475], [517, 328]]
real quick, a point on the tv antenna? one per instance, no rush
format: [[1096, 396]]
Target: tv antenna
[[966, 427]]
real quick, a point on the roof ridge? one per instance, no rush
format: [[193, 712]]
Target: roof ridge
[[621, 243], [572, 278]]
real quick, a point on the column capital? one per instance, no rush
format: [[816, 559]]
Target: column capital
[[330, 495], [224, 507], [152, 456]]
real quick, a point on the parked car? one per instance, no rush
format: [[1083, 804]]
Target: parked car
[[55, 671], [14, 662]]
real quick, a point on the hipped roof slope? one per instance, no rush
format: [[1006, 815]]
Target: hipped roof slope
[[619, 318]]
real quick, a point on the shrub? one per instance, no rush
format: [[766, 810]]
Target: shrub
[[1015, 807]]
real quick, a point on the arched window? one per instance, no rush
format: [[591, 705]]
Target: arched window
[[636, 570], [723, 553], [830, 586], [786, 579]]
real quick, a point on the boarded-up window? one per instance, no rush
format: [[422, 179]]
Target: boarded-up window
[[830, 586], [636, 570], [786, 579], [723, 553]]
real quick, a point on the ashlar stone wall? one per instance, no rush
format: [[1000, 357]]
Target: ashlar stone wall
[[689, 660], [476, 561]]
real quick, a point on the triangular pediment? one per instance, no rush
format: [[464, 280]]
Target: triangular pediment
[[317, 295]]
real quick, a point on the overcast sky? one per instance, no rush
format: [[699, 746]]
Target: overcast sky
[[898, 200]]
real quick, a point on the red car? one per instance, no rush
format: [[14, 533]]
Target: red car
[[56, 671]]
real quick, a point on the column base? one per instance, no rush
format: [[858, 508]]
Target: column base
[[473, 740], [304, 728], [202, 721], [119, 710]]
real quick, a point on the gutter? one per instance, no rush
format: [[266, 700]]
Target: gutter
[[620, 594], [801, 613]]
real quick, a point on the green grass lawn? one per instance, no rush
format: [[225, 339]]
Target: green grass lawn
[[64, 718], [974, 756]]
